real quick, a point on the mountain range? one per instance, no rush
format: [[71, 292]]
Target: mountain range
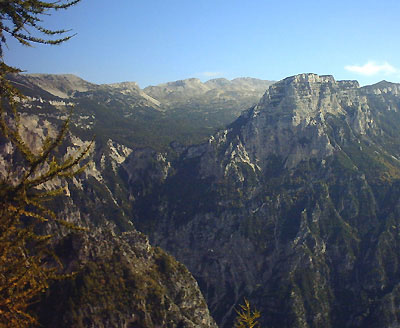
[[293, 204], [186, 111]]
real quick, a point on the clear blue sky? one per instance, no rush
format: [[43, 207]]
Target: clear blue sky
[[155, 41]]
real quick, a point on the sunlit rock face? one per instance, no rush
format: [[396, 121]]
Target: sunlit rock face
[[291, 119], [294, 205]]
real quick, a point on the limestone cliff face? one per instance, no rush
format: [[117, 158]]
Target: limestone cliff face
[[294, 206], [295, 121], [290, 119]]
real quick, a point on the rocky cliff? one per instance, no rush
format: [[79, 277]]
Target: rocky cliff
[[121, 281], [295, 206]]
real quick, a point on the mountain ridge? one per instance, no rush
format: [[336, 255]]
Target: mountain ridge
[[143, 119]]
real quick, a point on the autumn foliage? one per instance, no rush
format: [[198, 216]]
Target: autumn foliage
[[24, 251]]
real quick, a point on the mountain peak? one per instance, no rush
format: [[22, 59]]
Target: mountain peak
[[304, 94], [219, 82], [185, 83], [59, 85], [296, 109], [383, 87], [309, 78], [125, 85]]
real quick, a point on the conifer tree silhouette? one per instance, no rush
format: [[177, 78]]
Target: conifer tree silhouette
[[24, 272]]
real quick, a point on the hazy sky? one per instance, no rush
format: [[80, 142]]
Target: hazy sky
[[155, 41]]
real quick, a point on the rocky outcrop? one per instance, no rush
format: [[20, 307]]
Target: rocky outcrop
[[121, 281]]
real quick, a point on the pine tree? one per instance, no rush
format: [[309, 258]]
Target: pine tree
[[24, 271], [246, 317]]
